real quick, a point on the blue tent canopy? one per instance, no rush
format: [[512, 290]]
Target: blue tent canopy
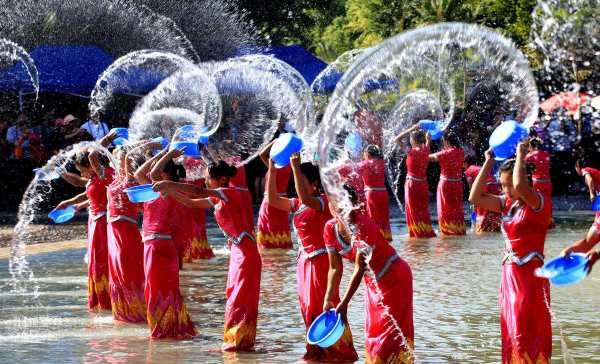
[[74, 69]]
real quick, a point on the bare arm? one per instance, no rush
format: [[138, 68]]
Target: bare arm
[[273, 197], [589, 181], [303, 186], [478, 196], [264, 153], [404, 133], [72, 201], [74, 179], [141, 174], [184, 188], [520, 181], [162, 162], [334, 277], [108, 138], [195, 203], [357, 275]]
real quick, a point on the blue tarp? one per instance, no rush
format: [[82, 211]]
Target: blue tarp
[[74, 69]]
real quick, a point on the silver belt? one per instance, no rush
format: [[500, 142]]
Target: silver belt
[[156, 237], [241, 189], [511, 258], [122, 218], [386, 266], [375, 189], [281, 194], [314, 253], [416, 178], [450, 179], [237, 240], [542, 180], [98, 216]]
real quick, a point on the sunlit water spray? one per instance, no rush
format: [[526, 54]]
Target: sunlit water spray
[[258, 94], [23, 280], [13, 54]]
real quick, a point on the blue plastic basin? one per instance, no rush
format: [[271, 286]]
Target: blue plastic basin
[[190, 149], [433, 127], [596, 203], [122, 136], [505, 138], [283, 148], [62, 215], [353, 144], [326, 329], [566, 270], [141, 193], [189, 132]]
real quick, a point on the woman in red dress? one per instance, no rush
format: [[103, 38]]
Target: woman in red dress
[[524, 297], [372, 171], [243, 280], [416, 187], [125, 248], [310, 213], [486, 221], [274, 224], [389, 331], [162, 234], [96, 176], [197, 246], [540, 159], [587, 244], [450, 209], [240, 184]]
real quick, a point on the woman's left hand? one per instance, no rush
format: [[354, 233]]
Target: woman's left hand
[[342, 309], [592, 257], [523, 147], [162, 186], [295, 159]]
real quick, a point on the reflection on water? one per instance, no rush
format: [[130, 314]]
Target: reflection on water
[[456, 284]]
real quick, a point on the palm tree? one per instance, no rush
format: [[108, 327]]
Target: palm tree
[[435, 11]]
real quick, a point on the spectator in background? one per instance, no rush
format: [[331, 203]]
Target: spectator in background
[[4, 147], [16, 131], [69, 132], [95, 127]]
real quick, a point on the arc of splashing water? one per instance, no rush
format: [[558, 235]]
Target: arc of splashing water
[[189, 95], [13, 52], [22, 275], [108, 83]]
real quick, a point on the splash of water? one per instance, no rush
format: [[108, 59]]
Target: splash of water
[[566, 35], [447, 64], [567, 357], [117, 26], [187, 97], [39, 189], [258, 93], [134, 73], [12, 53]]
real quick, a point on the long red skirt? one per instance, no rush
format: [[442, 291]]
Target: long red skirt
[[167, 314], [545, 188], [384, 343], [97, 251], [197, 246], [273, 228], [243, 288], [450, 209], [524, 318], [416, 204], [126, 266], [378, 209], [311, 275]]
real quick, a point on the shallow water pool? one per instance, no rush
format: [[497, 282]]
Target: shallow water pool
[[456, 308]]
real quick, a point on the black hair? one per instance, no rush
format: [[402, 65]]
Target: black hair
[[175, 171], [374, 151], [452, 139], [470, 160], [351, 193], [536, 143], [419, 136], [220, 169], [311, 172], [83, 159], [509, 165]]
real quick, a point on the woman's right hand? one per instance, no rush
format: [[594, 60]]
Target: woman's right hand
[[63, 205], [328, 305], [162, 186]]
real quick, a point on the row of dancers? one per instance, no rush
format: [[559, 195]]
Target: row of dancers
[[140, 282]]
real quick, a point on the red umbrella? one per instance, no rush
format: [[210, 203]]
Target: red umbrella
[[571, 101]]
